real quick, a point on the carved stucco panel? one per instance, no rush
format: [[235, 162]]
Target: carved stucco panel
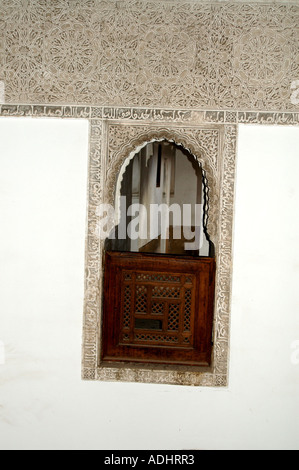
[[225, 55]]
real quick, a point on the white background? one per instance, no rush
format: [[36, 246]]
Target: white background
[[43, 402]]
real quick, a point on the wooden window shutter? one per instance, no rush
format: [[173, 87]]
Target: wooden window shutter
[[158, 309]]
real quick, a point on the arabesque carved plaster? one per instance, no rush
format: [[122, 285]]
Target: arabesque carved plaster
[[149, 53]]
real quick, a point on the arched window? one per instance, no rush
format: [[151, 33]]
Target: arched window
[[163, 204], [160, 266]]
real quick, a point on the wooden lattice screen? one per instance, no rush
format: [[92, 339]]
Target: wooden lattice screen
[[158, 309]]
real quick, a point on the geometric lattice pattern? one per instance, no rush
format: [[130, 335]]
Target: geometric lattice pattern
[[158, 310], [188, 303], [162, 306], [127, 307], [141, 299]]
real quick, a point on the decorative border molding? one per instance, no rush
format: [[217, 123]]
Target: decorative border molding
[[151, 114]]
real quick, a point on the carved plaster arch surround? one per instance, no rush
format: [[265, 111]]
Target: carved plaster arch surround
[[214, 146], [198, 150], [133, 154]]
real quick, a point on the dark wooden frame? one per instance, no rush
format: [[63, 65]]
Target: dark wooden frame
[[199, 271]]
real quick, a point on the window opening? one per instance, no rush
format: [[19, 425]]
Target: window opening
[[159, 265], [164, 204]]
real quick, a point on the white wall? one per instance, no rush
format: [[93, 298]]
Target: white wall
[[43, 402]]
